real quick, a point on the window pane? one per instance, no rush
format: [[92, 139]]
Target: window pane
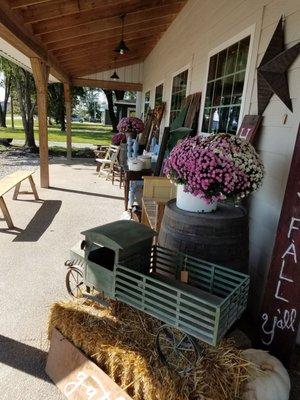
[[224, 113], [221, 63], [231, 59], [243, 54], [206, 118], [227, 89], [233, 119], [212, 67], [217, 93], [178, 93], [159, 93], [238, 88], [226, 76], [209, 94]]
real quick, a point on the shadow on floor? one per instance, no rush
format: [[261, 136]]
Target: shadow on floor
[[23, 357], [40, 222], [105, 196]]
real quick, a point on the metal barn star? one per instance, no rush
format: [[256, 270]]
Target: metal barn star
[[271, 73]]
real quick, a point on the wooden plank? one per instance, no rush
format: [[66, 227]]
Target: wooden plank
[[87, 16], [8, 182], [281, 304], [12, 30], [6, 214], [97, 83], [147, 16], [14, 4], [76, 376], [68, 105], [40, 74], [89, 38]]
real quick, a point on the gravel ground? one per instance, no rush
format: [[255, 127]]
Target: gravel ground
[[13, 160]]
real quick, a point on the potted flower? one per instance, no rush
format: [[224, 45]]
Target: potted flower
[[207, 170], [131, 126], [118, 138]]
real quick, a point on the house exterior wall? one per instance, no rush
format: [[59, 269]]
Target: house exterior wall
[[131, 74], [202, 26]]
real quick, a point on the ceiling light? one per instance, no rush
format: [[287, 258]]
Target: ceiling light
[[115, 76], [122, 48]]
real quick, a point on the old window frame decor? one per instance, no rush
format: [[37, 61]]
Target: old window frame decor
[[175, 106], [147, 97], [238, 105], [159, 93]]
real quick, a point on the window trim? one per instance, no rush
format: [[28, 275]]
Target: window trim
[[188, 88], [250, 31]]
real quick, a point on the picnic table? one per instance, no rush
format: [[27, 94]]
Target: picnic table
[[11, 181]]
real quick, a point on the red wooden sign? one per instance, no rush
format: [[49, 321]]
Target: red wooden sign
[[249, 127], [281, 305]]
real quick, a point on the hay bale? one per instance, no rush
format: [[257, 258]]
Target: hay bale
[[121, 340]]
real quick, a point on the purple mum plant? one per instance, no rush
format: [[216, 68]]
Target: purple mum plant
[[131, 125], [118, 138], [216, 168]]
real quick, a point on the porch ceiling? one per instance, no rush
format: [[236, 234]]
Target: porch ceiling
[[78, 37]]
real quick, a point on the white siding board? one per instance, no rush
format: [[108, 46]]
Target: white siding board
[[198, 29]]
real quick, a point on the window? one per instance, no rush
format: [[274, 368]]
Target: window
[[147, 103], [178, 93], [224, 91], [159, 93]]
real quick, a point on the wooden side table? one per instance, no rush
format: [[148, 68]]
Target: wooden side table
[[133, 176]]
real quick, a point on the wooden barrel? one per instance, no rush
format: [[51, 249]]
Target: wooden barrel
[[221, 237]]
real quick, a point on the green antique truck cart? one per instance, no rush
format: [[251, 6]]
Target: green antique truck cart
[[119, 260]]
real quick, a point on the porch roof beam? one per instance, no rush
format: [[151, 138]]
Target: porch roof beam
[[15, 33], [102, 84]]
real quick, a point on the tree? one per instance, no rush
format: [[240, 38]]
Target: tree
[[112, 115], [6, 68], [56, 104], [26, 95]]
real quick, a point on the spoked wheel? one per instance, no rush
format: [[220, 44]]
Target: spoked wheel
[[74, 282], [176, 349]]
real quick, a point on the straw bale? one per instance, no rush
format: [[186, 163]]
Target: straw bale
[[121, 341]]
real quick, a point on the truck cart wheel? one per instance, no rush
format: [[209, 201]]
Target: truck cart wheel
[[74, 282], [178, 350]]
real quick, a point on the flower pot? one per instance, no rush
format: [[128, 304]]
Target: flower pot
[[188, 202], [131, 135]]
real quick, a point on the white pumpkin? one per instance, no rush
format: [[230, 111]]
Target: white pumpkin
[[273, 383]]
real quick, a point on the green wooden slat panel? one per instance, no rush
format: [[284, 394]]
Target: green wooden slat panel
[[153, 296], [199, 333], [137, 290], [189, 311], [156, 313], [161, 307], [203, 308], [197, 321]]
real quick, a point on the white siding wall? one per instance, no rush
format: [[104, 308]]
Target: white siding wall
[[131, 73], [204, 25]]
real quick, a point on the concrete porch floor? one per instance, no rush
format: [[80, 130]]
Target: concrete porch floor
[[33, 272]]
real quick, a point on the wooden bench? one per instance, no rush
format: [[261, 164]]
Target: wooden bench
[[157, 192], [11, 181]]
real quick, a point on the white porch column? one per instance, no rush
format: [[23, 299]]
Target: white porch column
[[138, 104]]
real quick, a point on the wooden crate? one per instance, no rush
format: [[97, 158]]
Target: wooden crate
[[76, 376]]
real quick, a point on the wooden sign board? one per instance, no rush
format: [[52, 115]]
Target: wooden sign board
[[77, 377], [249, 127], [281, 304]]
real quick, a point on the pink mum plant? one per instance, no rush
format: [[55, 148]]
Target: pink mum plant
[[219, 167], [131, 125]]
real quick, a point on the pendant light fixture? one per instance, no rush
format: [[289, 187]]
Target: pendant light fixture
[[115, 76], [122, 48]]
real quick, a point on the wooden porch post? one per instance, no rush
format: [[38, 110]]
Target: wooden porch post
[[41, 74], [68, 104]]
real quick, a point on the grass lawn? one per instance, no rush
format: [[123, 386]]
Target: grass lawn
[[87, 132]]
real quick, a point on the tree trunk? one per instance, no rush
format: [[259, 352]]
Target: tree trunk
[[112, 115], [3, 111], [62, 117], [27, 110]]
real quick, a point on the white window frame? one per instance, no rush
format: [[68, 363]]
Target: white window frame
[[240, 36], [188, 86]]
